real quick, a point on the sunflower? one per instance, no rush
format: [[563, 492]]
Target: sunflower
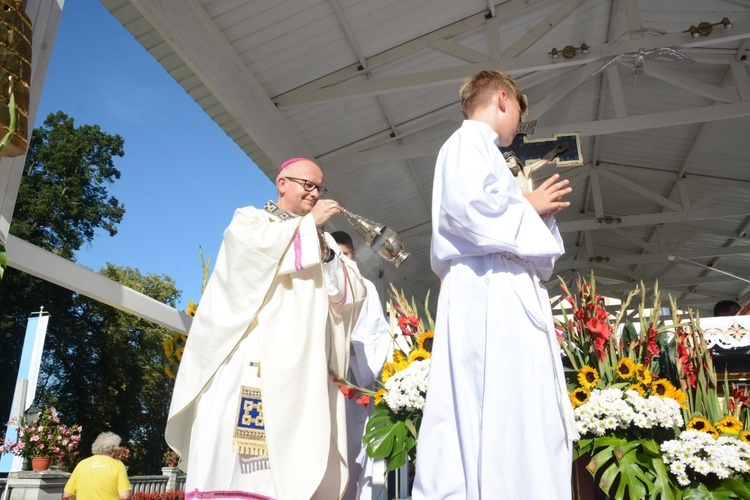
[[680, 396], [638, 388], [169, 372], [400, 365], [699, 424], [387, 372], [192, 308], [168, 347], [424, 341], [588, 377], [729, 425], [418, 355], [745, 436], [398, 356], [625, 369], [578, 397], [178, 353], [714, 433], [379, 396], [663, 388], [642, 374]]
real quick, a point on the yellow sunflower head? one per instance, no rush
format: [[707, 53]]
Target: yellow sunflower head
[[578, 397], [698, 424], [638, 388], [387, 372], [424, 341], [729, 425], [398, 356], [745, 436], [400, 365], [379, 396], [192, 308], [625, 369], [714, 433], [642, 374], [419, 354], [178, 353], [588, 377], [680, 396], [169, 372], [168, 347], [662, 388]]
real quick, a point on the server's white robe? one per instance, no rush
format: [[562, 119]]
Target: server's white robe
[[494, 419], [255, 306], [371, 343]]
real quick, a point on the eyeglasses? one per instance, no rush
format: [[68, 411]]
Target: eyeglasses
[[309, 185]]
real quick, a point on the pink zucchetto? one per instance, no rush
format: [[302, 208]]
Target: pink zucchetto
[[290, 161]]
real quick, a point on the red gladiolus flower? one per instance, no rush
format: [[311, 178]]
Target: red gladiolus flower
[[363, 400], [348, 393]]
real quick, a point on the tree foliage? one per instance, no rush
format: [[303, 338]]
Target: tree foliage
[[62, 200], [102, 368], [107, 373]]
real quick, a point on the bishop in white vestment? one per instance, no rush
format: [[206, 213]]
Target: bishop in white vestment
[[255, 413], [497, 415]]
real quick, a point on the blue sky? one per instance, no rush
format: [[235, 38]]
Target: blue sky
[[182, 177]]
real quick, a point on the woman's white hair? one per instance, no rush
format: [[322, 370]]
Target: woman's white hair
[[106, 443]]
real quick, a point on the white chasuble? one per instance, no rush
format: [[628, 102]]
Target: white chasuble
[[495, 415], [263, 323]]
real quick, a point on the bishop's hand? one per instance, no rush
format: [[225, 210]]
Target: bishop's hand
[[323, 211]]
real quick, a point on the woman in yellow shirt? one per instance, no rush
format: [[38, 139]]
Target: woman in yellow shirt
[[101, 476]]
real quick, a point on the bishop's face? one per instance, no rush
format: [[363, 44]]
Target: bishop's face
[[293, 197]]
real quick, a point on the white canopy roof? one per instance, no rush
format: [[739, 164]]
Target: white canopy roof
[[370, 90]]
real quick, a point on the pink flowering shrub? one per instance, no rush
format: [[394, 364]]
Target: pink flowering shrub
[[46, 437]]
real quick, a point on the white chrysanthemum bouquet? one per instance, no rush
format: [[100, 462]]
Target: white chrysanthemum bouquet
[[612, 409], [405, 391], [699, 456]]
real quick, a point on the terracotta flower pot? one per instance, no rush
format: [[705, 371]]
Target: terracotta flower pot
[[40, 463]]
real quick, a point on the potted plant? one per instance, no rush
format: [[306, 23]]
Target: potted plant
[[43, 441]]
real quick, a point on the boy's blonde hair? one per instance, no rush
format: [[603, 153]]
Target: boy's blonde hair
[[479, 89]]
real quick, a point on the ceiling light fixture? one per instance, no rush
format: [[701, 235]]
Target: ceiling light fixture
[[569, 51], [705, 28]]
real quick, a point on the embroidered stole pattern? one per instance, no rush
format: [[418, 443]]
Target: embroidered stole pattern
[[249, 437]]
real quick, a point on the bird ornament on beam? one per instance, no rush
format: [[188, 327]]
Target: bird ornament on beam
[[637, 59]]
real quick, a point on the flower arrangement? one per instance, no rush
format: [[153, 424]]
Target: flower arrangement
[[167, 495], [123, 454], [392, 430], [646, 402], [46, 437], [171, 458]]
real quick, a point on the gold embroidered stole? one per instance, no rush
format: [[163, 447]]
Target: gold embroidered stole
[[249, 437]]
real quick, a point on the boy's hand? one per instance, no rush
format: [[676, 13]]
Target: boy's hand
[[547, 199]]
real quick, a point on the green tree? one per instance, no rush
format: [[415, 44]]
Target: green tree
[[61, 202], [102, 368], [108, 372]]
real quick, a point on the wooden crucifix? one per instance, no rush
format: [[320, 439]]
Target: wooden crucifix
[[525, 155]]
